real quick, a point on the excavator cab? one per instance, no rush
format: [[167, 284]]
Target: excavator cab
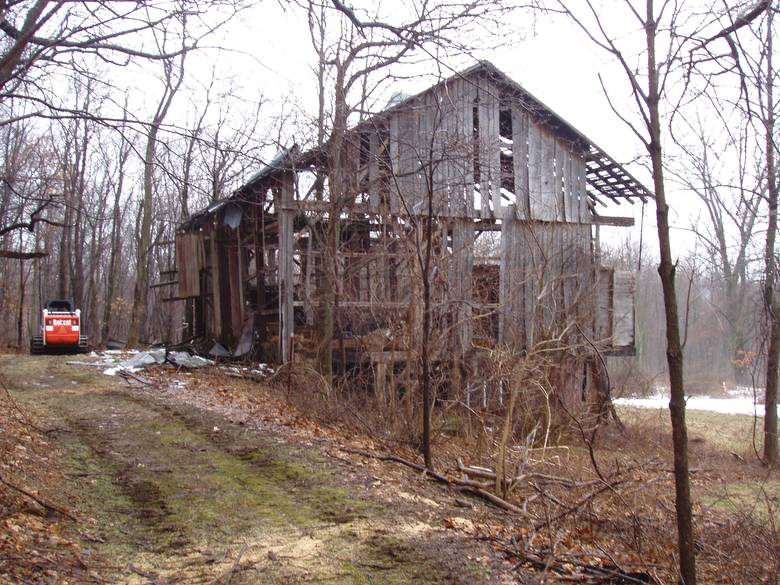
[[60, 330]]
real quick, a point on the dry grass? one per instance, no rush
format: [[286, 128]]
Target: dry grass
[[621, 514]]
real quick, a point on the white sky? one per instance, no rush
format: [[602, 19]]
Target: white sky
[[269, 54]]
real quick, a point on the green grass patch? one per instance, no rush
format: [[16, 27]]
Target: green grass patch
[[757, 498], [722, 432], [165, 481]]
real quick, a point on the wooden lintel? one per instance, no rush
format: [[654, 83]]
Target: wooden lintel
[[173, 299], [613, 221], [625, 351], [166, 283]]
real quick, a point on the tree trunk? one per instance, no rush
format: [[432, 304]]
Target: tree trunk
[[22, 293], [63, 266], [770, 300], [674, 355], [425, 350], [332, 235], [173, 81], [115, 255], [140, 295]]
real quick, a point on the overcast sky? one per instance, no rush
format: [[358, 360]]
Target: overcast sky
[[269, 54]]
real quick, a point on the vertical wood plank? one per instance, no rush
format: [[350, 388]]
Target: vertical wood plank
[[548, 194], [527, 273], [374, 196], [236, 281], [535, 171], [395, 162], [623, 309], [511, 318], [466, 137], [449, 132], [582, 195], [463, 254], [603, 317], [520, 160], [286, 243], [482, 144], [558, 165], [570, 199], [494, 152], [215, 283]]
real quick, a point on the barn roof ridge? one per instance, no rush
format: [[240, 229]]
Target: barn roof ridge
[[605, 176]]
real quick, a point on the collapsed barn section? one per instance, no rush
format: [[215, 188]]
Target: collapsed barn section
[[472, 192]]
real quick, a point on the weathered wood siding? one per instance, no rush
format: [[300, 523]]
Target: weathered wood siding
[[448, 143], [190, 260], [546, 281], [478, 158]]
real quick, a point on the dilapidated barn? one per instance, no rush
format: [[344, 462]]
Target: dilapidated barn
[[511, 192]]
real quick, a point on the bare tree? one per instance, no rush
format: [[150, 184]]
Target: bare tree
[[358, 64], [173, 77], [719, 169], [124, 149], [649, 84], [748, 33], [46, 36]]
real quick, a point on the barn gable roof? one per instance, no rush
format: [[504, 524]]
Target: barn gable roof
[[605, 177]]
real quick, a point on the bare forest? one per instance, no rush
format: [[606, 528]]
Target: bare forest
[[401, 308]]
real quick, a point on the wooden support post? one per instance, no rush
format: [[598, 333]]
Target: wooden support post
[[380, 375], [511, 279], [286, 215], [462, 279], [259, 241]]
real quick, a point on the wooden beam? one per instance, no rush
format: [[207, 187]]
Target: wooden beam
[[173, 299], [167, 283], [613, 221], [285, 280]]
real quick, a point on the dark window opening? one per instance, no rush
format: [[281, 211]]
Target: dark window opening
[[507, 172], [507, 150], [505, 124], [365, 148], [477, 144]]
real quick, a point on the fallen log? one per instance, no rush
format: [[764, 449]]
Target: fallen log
[[544, 477], [466, 485]]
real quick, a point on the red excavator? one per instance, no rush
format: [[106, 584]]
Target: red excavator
[[60, 330]]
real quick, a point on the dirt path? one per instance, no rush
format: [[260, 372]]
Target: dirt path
[[172, 491]]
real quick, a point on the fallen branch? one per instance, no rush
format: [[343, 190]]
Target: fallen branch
[[90, 364], [39, 500], [589, 571], [584, 500], [228, 577], [470, 486], [489, 474], [388, 457], [493, 498], [128, 374]]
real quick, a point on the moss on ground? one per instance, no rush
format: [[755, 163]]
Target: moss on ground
[[170, 495]]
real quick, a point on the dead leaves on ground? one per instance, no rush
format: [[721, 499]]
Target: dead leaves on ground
[[35, 542]]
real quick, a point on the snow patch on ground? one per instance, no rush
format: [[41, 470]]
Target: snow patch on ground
[[740, 401]]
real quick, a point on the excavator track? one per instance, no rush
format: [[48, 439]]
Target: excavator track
[[36, 345]]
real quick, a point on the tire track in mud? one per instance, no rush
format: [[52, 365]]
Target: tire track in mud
[[175, 497]]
